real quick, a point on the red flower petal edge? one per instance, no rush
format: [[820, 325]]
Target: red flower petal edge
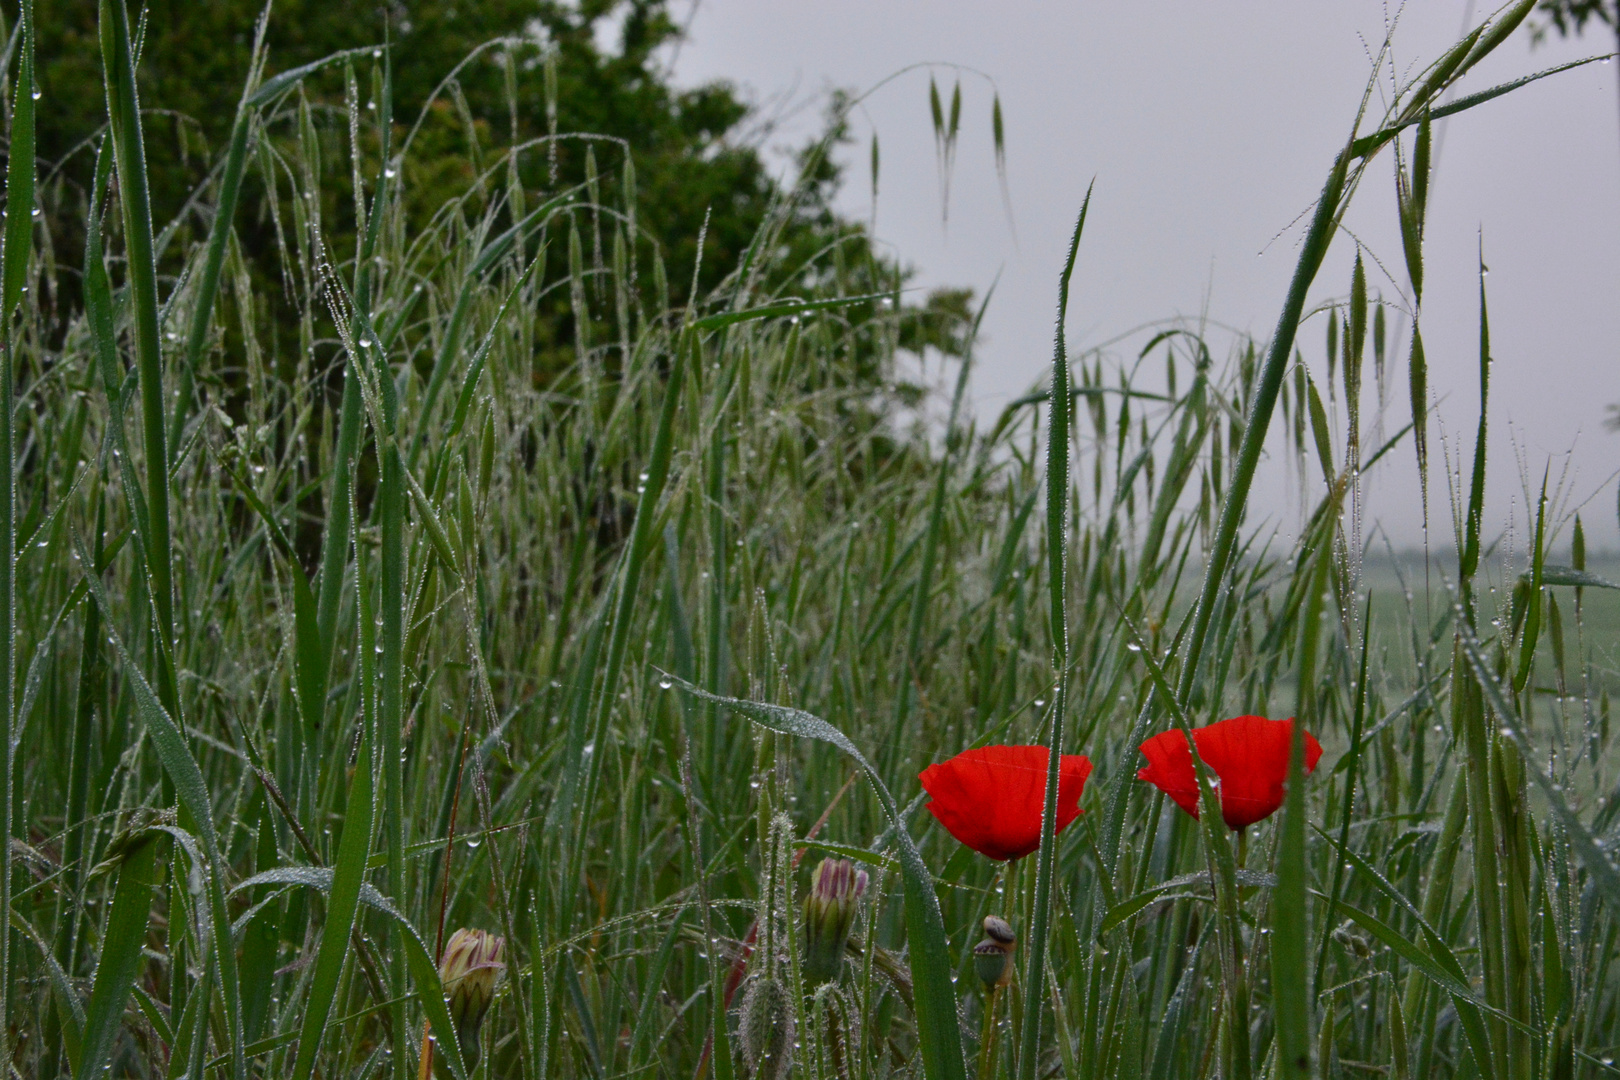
[[1249, 756], [990, 798]]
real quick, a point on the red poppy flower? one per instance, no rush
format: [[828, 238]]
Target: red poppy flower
[[990, 798], [1249, 756]]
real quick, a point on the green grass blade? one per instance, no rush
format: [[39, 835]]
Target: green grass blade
[[424, 972], [192, 790], [935, 994], [13, 273], [219, 230], [1057, 525], [1469, 559], [1352, 759], [343, 900], [129, 156], [138, 874], [784, 309], [923, 589], [20, 220], [636, 551], [1290, 987], [1317, 239], [1532, 616], [1591, 852]]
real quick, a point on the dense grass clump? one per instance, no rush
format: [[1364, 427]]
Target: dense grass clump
[[367, 678]]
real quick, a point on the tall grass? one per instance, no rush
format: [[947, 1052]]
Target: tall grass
[[346, 641]]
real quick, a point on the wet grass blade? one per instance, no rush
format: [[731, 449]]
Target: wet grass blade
[[219, 230], [191, 788], [121, 958], [932, 985], [129, 156], [343, 899], [1057, 525], [13, 273], [1317, 239], [1290, 987]]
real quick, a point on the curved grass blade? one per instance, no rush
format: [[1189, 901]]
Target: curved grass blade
[[192, 791], [786, 307], [429, 989], [937, 1032]]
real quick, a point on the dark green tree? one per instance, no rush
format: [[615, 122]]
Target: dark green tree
[[692, 158]]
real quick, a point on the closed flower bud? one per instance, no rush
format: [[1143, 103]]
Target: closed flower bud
[[829, 912], [470, 971], [766, 1029], [992, 957]]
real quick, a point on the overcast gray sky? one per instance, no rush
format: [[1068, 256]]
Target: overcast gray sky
[[1209, 129]]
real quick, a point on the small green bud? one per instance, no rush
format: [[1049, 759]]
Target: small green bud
[[470, 971], [992, 957], [829, 912], [766, 1029], [1353, 942]]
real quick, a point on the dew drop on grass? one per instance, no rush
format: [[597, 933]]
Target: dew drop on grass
[[1133, 646], [665, 683], [1040, 703]]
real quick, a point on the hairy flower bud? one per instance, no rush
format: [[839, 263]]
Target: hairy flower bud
[[829, 912], [470, 971], [766, 1029], [992, 957]]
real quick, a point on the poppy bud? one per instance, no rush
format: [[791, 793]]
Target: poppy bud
[[766, 1029], [992, 957], [470, 971], [829, 912]]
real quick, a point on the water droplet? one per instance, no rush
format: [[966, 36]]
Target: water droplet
[[390, 173], [365, 343], [1133, 646], [665, 683], [1040, 703]]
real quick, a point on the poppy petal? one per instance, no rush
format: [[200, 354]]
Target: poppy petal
[[991, 797], [1247, 754]]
